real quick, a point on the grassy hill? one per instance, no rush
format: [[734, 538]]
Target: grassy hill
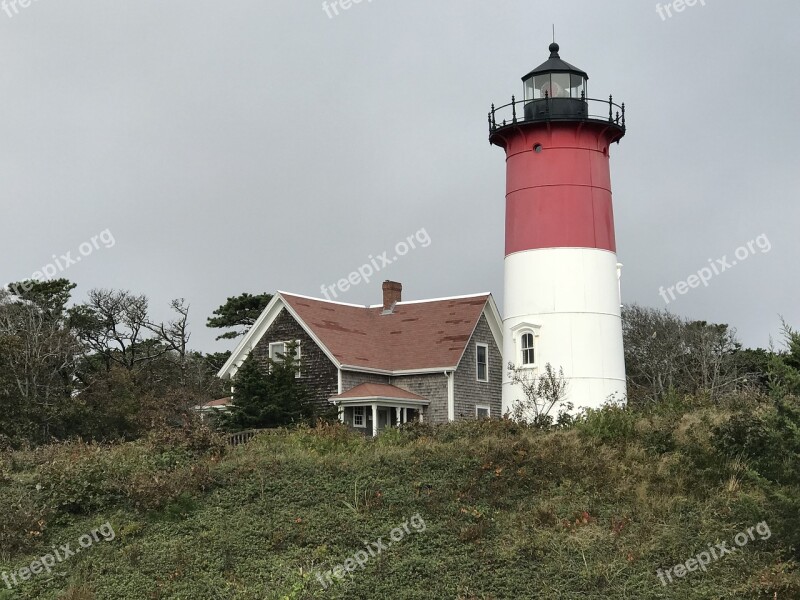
[[479, 510]]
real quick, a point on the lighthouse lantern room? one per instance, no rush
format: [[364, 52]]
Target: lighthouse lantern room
[[562, 295]]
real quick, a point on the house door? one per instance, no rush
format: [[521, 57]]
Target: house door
[[384, 418]]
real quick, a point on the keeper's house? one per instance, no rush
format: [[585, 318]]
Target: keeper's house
[[428, 360]]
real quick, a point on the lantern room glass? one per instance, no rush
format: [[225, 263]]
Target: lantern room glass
[[578, 87], [554, 85], [530, 89]]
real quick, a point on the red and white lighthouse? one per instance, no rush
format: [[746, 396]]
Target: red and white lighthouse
[[562, 291]]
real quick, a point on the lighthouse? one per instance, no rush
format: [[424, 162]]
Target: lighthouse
[[562, 276]]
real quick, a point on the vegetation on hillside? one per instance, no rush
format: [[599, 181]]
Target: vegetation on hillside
[[591, 510]]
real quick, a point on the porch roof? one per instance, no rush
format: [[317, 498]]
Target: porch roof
[[368, 393]]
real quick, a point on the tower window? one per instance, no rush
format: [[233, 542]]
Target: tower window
[[528, 354], [482, 362]]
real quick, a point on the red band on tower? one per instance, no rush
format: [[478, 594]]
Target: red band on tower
[[558, 191]]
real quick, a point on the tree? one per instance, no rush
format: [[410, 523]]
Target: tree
[[38, 358], [708, 363], [269, 397], [113, 326], [541, 394], [239, 312], [100, 370], [784, 367], [175, 336], [667, 354], [653, 350], [51, 297], [752, 367]]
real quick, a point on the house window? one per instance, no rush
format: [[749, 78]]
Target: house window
[[358, 416], [528, 354], [482, 361], [277, 350], [483, 412], [299, 373]]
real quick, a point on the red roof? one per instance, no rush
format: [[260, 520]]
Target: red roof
[[377, 390], [416, 336]]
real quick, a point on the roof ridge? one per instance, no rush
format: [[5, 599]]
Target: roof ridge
[[444, 299], [283, 293]]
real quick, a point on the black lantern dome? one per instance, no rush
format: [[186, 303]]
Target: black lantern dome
[[555, 89], [555, 78]]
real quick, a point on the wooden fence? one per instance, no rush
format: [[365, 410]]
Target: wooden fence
[[242, 437]]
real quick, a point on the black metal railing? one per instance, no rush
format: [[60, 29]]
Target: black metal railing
[[551, 109]]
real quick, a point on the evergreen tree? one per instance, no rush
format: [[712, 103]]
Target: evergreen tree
[[271, 397], [238, 312], [784, 367]]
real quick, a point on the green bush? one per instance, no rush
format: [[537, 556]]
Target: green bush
[[769, 439], [82, 478], [612, 423], [24, 520]]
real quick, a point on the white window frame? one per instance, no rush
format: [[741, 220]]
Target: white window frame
[[485, 407], [522, 349], [477, 364], [283, 352], [517, 332], [299, 373], [363, 415]]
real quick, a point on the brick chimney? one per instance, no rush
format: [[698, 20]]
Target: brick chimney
[[392, 294]]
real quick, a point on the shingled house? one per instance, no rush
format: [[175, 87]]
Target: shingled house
[[430, 360]]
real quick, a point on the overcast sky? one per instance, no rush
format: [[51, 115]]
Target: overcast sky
[[262, 145]]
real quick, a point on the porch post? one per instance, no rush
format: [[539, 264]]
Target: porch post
[[397, 411], [341, 413], [374, 420]]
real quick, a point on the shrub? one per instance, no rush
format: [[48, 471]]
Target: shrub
[[23, 523], [769, 439], [156, 490], [611, 423], [327, 438], [80, 479], [194, 439]]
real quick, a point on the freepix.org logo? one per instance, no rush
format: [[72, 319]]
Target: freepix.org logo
[[715, 268], [14, 5], [375, 263], [714, 553], [62, 262], [371, 550], [332, 8], [59, 554], [667, 11]]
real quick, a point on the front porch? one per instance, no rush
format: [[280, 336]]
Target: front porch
[[371, 408]]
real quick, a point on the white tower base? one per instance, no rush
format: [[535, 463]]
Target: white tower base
[[569, 298]]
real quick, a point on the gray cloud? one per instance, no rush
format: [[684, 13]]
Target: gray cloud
[[255, 146]]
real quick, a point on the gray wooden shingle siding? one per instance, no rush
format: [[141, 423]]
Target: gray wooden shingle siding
[[319, 373], [470, 392]]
